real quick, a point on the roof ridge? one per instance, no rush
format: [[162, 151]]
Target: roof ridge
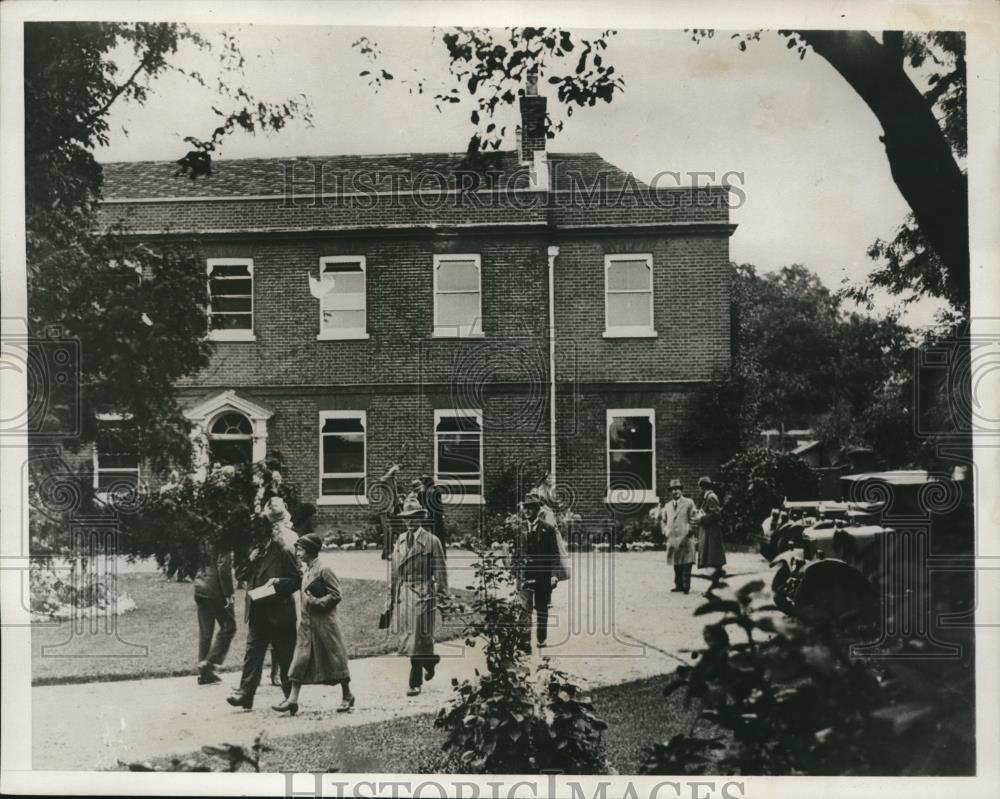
[[437, 153]]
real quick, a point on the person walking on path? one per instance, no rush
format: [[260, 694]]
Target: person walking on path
[[711, 550], [271, 618], [320, 655], [539, 559], [385, 498], [679, 523], [419, 576], [214, 595]]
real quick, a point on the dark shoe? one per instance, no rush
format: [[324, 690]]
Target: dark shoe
[[541, 644], [413, 692], [275, 679], [676, 590], [209, 678], [290, 707], [347, 705], [241, 700]]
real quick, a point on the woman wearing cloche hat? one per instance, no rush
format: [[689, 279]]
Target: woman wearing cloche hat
[[419, 575], [320, 655]]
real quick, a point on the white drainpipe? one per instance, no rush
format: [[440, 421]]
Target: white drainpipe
[[553, 252]]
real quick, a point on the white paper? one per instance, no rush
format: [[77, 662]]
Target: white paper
[[262, 592]]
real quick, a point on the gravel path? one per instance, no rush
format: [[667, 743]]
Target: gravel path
[[615, 621]]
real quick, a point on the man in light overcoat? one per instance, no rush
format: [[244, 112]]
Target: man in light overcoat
[[419, 577], [679, 523]]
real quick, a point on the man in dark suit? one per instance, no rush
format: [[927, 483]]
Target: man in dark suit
[[271, 620], [539, 556], [214, 595]]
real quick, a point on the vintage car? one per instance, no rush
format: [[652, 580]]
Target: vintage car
[[829, 556]]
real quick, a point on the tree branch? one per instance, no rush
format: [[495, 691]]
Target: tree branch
[[920, 158]]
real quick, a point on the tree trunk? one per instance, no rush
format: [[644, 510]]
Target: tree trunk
[[921, 161]]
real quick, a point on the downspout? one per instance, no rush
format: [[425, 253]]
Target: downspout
[[553, 252]]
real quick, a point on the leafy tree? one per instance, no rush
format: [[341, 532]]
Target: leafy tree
[[135, 310], [802, 360]]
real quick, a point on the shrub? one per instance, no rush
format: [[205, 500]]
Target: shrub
[[754, 482], [790, 699], [502, 722], [187, 516]]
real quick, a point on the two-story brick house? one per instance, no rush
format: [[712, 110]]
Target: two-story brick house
[[509, 314]]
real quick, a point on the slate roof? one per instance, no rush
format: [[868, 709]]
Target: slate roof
[[351, 173]]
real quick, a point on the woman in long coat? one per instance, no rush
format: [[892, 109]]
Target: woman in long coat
[[678, 521], [711, 551], [320, 655], [419, 575]]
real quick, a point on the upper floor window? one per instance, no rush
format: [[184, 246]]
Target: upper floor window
[[628, 295], [458, 454], [457, 296], [116, 457], [631, 455], [230, 297], [342, 458], [342, 301]]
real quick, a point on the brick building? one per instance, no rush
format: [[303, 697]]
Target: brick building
[[425, 309]]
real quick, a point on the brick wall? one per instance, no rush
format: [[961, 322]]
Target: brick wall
[[691, 310], [691, 314]]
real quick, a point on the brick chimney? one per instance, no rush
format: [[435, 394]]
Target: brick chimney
[[532, 138]]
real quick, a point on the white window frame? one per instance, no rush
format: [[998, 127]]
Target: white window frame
[[448, 497], [458, 331], [231, 436], [628, 496], [629, 331], [230, 335], [103, 496], [356, 499], [352, 333]]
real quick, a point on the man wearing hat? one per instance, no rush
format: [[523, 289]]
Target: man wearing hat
[[539, 555], [419, 576], [679, 523], [271, 620]]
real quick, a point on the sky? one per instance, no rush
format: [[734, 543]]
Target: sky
[[815, 175]]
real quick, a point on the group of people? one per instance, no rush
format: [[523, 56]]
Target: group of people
[[693, 535], [306, 642]]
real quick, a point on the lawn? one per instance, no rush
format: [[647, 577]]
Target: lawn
[[637, 714], [160, 637]]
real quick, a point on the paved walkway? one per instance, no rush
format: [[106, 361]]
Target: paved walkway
[[615, 621]]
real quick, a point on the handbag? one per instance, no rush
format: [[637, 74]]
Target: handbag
[[386, 616], [317, 588]]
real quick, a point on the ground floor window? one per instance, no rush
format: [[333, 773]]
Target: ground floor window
[[342, 457], [631, 455], [458, 453], [116, 457], [230, 440]]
